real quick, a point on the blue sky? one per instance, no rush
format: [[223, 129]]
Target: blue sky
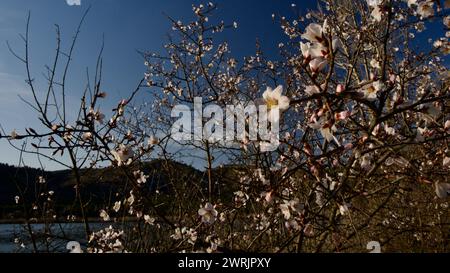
[[127, 26]]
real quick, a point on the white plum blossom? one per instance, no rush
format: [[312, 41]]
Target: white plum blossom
[[344, 208], [326, 130], [104, 215], [13, 135], [411, 3], [425, 8], [153, 141], [446, 162], [313, 33], [311, 51], [185, 233], [370, 91], [389, 130], [317, 64], [276, 102], [366, 162], [149, 220], [97, 115], [123, 155], [374, 3], [41, 180], [141, 177], [87, 136], [311, 90], [117, 205], [377, 13], [285, 210], [260, 175], [208, 213]]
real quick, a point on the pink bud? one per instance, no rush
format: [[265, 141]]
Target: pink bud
[[392, 78], [348, 146], [340, 88], [447, 125], [269, 197], [342, 115]]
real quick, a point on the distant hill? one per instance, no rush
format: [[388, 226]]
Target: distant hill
[[98, 184]]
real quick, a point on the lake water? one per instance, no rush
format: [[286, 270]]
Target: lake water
[[14, 238]]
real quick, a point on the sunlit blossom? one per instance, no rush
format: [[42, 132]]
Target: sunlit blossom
[[123, 154], [208, 213], [104, 215], [275, 102], [313, 33]]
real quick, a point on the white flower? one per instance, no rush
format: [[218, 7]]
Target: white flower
[[343, 209], [178, 235], [366, 163], [16, 199], [208, 213], [98, 116], [309, 230], [222, 217], [153, 141], [13, 134], [268, 196], [41, 180], [315, 50], [371, 90], [104, 215], [375, 64], [446, 21], [261, 177], [149, 220], [376, 14], [74, 247], [317, 64], [276, 103], [374, 3], [326, 130], [117, 205], [340, 88], [411, 2], [311, 90], [87, 136], [130, 199], [141, 177], [313, 33], [123, 155], [425, 8], [293, 205], [389, 130], [285, 210], [192, 236], [446, 162], [442, 190]]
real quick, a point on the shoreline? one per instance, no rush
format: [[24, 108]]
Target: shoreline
[[63, 221]]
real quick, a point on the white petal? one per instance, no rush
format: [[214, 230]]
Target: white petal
[[276, 94]]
